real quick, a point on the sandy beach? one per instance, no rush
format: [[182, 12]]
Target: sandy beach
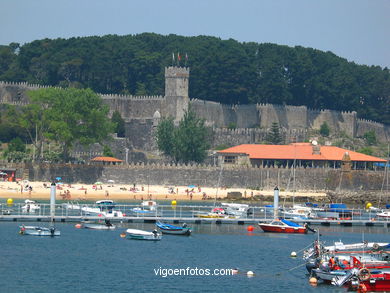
[[122, 192]]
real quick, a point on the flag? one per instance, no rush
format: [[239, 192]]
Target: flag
[[173, 57], [186, 57], [178, 57]]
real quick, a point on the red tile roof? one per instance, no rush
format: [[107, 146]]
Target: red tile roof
[[106, 159], [298, 151]]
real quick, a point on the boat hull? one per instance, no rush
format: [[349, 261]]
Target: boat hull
[[142, 235], [99, 227], [185, 231], [283, 229], [38, 231]]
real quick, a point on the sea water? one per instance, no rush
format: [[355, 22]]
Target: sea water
[[83, 260]]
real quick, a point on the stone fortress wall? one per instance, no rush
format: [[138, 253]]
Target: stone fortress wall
[[143, 113]]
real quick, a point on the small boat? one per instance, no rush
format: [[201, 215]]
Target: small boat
[[98, 226], [39, 231], [236, 209], [30, 206], [364, 280], [283, 226], [148, 208], [143, 235], [175, 230], [104, 208]]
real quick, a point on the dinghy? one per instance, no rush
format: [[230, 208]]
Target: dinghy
[[143, 235], [39, 231], [175, 230]]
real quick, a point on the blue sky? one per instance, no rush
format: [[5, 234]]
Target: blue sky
[[358, 30]]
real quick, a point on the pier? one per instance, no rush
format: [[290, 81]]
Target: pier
[[175, 214]]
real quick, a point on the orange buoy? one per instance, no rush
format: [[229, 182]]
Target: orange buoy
[[78, 226], [250, 228], [122, 235]]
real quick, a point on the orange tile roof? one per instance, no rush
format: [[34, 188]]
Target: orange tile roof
[[298, 151], [106, 159]]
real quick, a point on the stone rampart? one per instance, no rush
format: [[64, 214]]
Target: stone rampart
[[382, 132], [317, 179]]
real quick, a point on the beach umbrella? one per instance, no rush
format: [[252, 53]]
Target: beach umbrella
[[191, 186], [58, 178], [110, 181], [98, 183]]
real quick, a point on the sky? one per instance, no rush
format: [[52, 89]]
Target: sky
[[358, 30]]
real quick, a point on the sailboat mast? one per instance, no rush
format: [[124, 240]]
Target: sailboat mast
[[52, 201], [276, 202]]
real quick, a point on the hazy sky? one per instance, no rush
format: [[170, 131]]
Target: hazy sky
[[358, 30]]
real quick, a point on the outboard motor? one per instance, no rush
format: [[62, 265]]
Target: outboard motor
[[52, 231]]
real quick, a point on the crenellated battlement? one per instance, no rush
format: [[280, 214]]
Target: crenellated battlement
[[129, 97]]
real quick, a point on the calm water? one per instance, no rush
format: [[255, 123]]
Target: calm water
[[84, 260]]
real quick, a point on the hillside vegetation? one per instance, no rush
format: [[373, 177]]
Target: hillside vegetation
[[224, 71]]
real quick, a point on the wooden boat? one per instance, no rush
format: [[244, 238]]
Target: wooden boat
[[174, 230], [39, 231], [283, 226], [143, 235]]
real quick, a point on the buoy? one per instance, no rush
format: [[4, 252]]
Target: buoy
[[368, 205], [78, 226], [250, 228], [10, 201], [173, 202], [293, 254], [313, 281], [250, 274], [122, 235]]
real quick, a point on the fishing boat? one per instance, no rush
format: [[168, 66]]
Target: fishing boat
[[143, 235], [103, 208], [30, 206], [39, 231], [174, 230], [283, 226], [364, 280]]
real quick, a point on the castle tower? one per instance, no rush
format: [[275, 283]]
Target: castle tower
[[176, 92]]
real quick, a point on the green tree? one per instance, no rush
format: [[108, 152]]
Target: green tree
[[366, 151], [165, 136], [191, 139], [185, 143], [274, 136], [107, 152], [65, 116], [370, 137], [119, 123], [17, 145], [324, 129]]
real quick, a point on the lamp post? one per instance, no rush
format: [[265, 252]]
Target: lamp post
[[127, 155]]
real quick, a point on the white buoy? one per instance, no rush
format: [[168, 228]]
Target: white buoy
[[293, 254], [250, 274]]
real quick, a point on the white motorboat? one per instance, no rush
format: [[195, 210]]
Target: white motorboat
[[299, 212], [30, 207], [384, 214], [143, 235], [236, 209], [39, 231], [103, 208], [148, 208]]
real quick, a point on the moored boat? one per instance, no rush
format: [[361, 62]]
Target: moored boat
[[283, 226], [39, 231], [104, 208], [174, 230], [143, 235]]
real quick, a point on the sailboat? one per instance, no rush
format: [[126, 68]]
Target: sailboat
[[44, 231], [282, 225]]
